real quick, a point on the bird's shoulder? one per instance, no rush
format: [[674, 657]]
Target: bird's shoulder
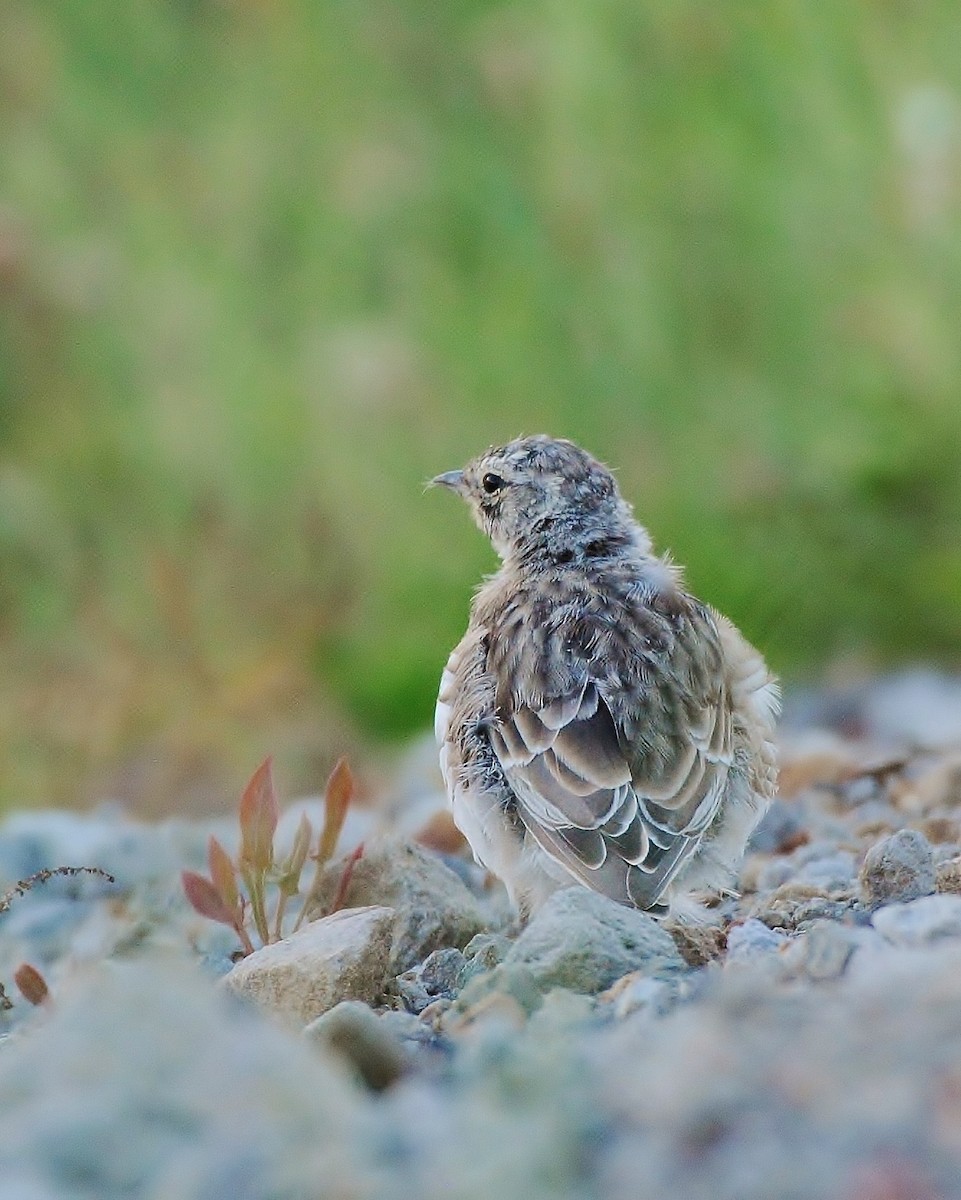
[[626, 627]]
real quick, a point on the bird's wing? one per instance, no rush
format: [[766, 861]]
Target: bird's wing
[[617, 778]]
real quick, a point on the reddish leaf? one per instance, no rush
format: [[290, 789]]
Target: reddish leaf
[[222, 874], [32, 985], [259, 813], [205, 899], [337, 798], [345, 877]]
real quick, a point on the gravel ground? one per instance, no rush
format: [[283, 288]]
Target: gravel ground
[[805, 1045]]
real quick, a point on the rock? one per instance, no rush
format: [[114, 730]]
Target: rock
[[351, 1030], [142, 1080], [748, 942], [901, 868], [780, 830], [515, 983], [794, 904], [773, 874], [829, 872], [563, 1014], [442, 972], [819, 908], [948, 876], [345, 956], [582, 941], [486, 950], [823, 951], [412, 992], [918, 922], [132, 851], [816, 867], [433, 1015], [439, 976], [639, 993], [433, 908], [697, 943], [406, 1028], [753, 1090]]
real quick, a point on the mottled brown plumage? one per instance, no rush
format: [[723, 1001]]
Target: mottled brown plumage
[[597, 723]]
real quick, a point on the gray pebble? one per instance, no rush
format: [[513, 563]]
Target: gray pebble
[[640, 994], [832, 873], [818, 908], [357, 1035], [918, 922], [775, 873], [442, 972], [899, 868], [413, 993], [752, 940], [439, 977], [486, 950], [583, 941], [823, 951], [780, 828]]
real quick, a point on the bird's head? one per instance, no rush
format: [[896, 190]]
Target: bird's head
[[543, 495]]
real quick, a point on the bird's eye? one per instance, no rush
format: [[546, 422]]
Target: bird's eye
[[492, 483]]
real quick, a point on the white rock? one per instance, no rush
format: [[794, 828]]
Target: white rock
[[141, 1081], [585, 942], [918, 922], [341, 957], [752, 940]]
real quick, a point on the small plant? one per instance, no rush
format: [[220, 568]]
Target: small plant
[[235, 894], [29, 981]]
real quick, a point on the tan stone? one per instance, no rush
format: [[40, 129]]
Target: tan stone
[[341, 957], [949, 875]]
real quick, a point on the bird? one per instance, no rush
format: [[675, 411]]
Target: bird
[[597, 723]]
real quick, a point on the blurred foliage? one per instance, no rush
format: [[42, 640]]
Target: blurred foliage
[[266, 265]]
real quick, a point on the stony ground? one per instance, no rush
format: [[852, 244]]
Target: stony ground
[[804, 1046]]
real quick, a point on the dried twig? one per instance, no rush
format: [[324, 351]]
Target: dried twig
[[22, 886]]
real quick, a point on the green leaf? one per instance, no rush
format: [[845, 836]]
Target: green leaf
[[289, 878]]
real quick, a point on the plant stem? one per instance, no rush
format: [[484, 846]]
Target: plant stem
[[245, 942], [255, 881], [279, 916]]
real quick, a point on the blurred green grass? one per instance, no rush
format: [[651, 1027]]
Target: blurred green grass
[[266, 266]]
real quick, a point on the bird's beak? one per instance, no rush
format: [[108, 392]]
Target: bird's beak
[[450, 479]]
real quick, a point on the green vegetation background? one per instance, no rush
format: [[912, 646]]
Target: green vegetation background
[[266, 266]]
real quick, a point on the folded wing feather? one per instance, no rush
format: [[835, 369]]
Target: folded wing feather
[[620, 803]]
